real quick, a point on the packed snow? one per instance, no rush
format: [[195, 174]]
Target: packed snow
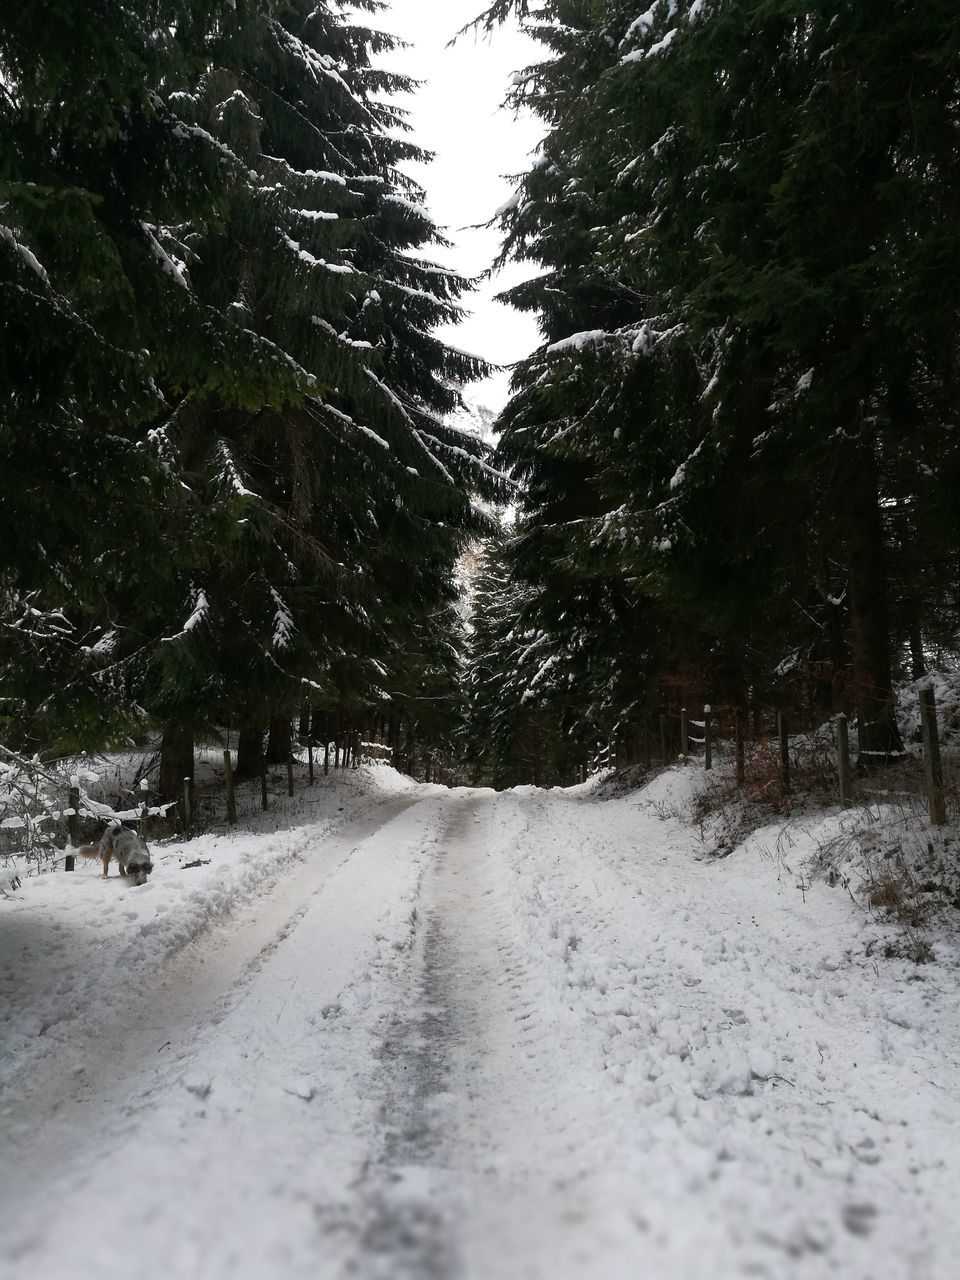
[[403, 1031]]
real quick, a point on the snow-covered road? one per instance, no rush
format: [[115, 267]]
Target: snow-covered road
[[525, 1035]]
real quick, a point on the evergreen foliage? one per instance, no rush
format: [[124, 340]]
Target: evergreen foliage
[[219, 307], [737, 438]]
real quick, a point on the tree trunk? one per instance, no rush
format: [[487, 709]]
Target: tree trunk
[[249, 752], [280, 741], [319, 730], [176, 761], [839, 652], [870, 647], [918, 663], [831, 660]]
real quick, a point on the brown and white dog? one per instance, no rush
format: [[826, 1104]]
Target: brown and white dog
[[129, 849]]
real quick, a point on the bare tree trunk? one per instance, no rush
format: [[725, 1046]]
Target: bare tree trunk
[[176, 761], [869, 611], [280, 741], [918, 663], [249, 752], [319, 728], [831, 658]]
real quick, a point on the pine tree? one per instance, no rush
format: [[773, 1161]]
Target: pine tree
[[225, 337], [736, 379], [323, 264], [93, 314], [501, 651]]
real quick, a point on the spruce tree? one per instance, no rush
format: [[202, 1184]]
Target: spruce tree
[[224, 338], [354, 481], [95, 164], [735, 378]]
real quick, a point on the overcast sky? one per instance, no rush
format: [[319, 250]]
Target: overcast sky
[[457, 115]]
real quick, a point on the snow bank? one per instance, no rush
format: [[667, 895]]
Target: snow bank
[[72, 945]]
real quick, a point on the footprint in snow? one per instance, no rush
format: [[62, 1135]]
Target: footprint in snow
[[859, 1219], [866, 1151], [199, 1086], [301, 1088]]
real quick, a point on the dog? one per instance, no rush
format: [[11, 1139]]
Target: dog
[[129, 849], [9, 881]]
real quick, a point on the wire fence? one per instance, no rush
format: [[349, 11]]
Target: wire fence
[[766, 758]]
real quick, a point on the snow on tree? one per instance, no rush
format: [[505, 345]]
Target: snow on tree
[[740, 408]]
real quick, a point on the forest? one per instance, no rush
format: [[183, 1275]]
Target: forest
[[236, 497], [737, 446]]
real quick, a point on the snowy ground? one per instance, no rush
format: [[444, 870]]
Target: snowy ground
[[452, 1034]]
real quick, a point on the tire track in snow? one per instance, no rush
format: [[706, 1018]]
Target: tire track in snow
[[481, 1081], [531, 1197], [409, 1231]]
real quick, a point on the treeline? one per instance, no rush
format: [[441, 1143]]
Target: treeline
[[739, 441], [229, 493]]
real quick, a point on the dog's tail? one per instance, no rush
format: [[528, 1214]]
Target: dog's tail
[[89, 850]]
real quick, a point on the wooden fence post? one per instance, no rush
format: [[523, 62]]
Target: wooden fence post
[[310, 761], [783, 734], [144, 807], [707, 738], [264, 798], [326, 757], [933, 766], [231, 793], [684, 733], [741, 754], [187, 808], [843, 760], [290, 774], [73, 818]]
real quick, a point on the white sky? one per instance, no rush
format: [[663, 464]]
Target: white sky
[[457, 115]]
